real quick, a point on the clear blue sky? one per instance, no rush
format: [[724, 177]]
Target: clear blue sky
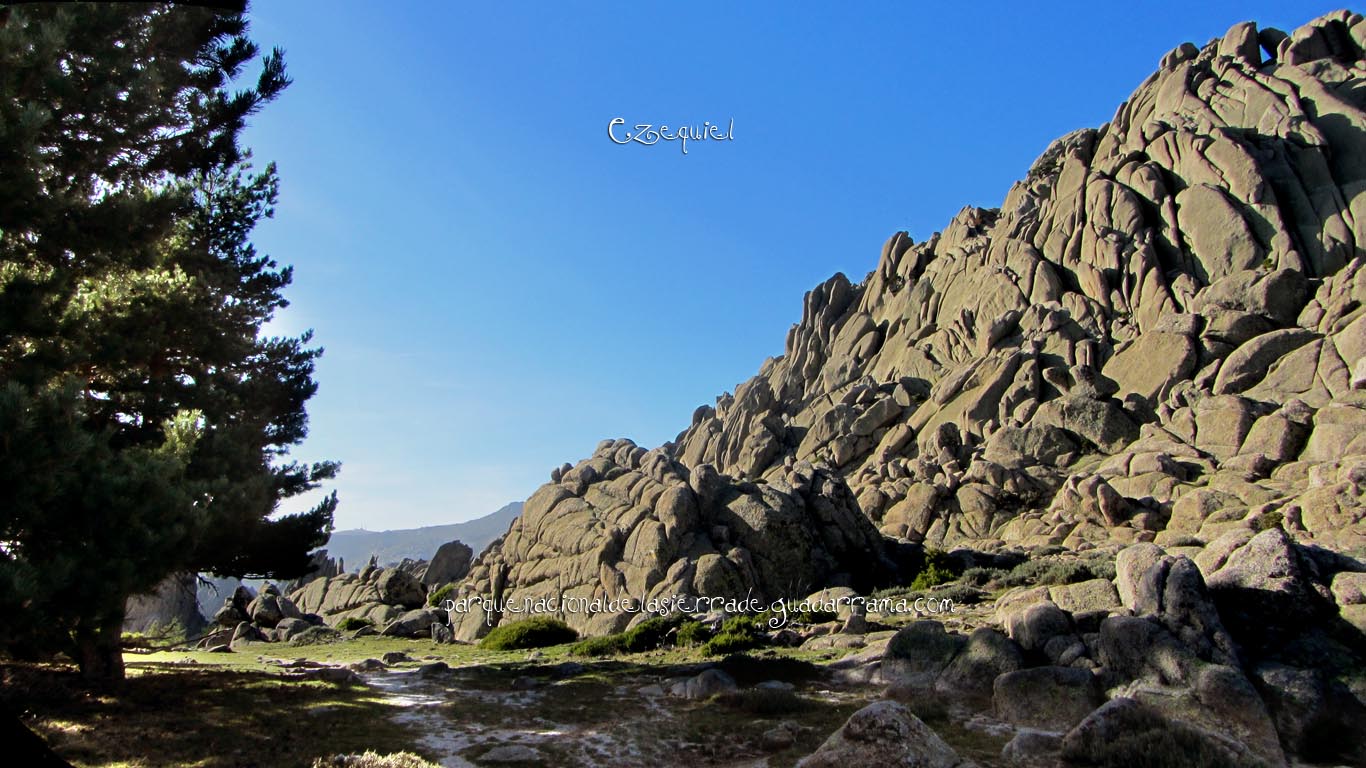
[[499, 286]]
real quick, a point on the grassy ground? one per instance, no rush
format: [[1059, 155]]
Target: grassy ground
[[239, 709], [205, 717]]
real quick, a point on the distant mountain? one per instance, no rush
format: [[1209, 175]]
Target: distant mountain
[[355, 546]]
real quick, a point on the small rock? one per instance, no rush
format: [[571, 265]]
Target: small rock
[[433, 668], [704, 686], [1031, 748], [883, 733]]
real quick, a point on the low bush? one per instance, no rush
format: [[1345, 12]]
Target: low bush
[[1053, 571], [438, 596], [353, 623], [794, 616], [731, 642], [939, 569], [535, 632], [692, 633], [763, 702], [648, 635], [959, 594], [605, 645], [1174, 746], [752, 670], [981, 577]]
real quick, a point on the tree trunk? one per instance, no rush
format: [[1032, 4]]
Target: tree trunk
[[99, 647]]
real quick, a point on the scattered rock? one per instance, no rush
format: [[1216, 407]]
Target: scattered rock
[[704, 685], [883, 733]]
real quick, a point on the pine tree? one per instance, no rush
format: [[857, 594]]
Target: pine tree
[[145, 418]]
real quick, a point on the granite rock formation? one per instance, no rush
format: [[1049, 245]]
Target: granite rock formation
[[1158, 340]]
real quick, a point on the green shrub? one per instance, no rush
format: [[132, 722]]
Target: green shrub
[[649, 634], [939, 569], [1171, 746], [353, 623], [752, 670], [981, 577], [692, 633], [646, 636], [959, 594], [1053, 571], [439, 596], [731, 642], [743, 624], [606, 645], [535, 632], [1102, 567]]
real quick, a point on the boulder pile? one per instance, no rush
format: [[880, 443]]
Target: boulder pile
[[1160, 336], [1153, 353]]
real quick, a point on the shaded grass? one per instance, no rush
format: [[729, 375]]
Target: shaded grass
[[197, 717], [763, 702], [227, 709]]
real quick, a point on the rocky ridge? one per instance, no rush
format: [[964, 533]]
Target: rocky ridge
[[1158, 336], [1153, 352]]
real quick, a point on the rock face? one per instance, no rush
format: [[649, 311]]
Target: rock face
[[630, 524], [172, 603], [388, 598], [1155, 347], [1161, 334], [450, 564]]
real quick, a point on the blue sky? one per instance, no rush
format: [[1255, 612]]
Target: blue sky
[[499, 286]]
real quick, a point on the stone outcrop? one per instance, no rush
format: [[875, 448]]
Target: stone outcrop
[[630, 525], [173, 604], [1160, 336], [1154, 351], [450, 564], [884, 733]]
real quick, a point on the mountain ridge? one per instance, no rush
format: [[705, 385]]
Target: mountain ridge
[[391, 546]]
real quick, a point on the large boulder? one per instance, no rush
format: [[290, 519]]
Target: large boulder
[[1034, 626], [1266, 589], [1173, 591], [1049, 698], [704, 685], [415, 623], [884, 733], [1123, 727], [449, 565], [973, 670], [918, 653], [398, 587]]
